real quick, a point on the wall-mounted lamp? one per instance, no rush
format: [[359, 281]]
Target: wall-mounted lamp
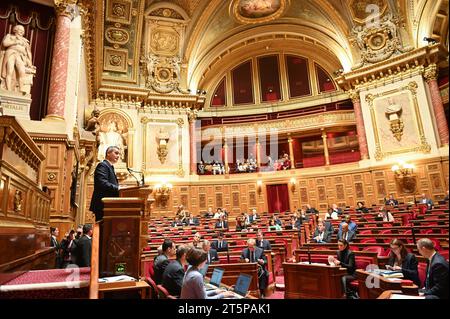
[[293, 183], [406, 181], [403, 169], [162, 139], [259, 187], [162, 193]]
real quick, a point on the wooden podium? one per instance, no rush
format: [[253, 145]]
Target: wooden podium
[[312, 281], [124, 232]]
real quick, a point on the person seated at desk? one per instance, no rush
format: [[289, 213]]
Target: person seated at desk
[[296, 222], [321, 235], [222, 223], [196, 241], [311, 210], [361, 208], [345, 233], [446, 198], [192, 221], [161, 262], [391, 201], [274, 226], [174, 273], [328, 225], [436, 283], [351, 225], [277, 220], [209, 213], [220, 244], [252, 216], [193, 285], [400, 259], [177, 222], [219, 213], [253, 254], [427, 201], [262, 243], [331, 214], [386, 215], [212, 255], [241, 222], [346, 259]]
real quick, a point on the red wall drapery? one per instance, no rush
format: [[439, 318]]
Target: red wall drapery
[[278, 198]]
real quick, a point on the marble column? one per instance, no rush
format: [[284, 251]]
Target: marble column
[[325, 147], [360, 130], [258, 154], [291, 151], [65, 13], [225, 155], [193, 144], [431, 75]]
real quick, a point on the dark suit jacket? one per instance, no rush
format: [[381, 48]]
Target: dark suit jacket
[[259, 254], [225, 225], [173, 278], [194, 221], [393, 202], [326, 236], [105, 185], [265, 244], [213, 256], [351, 235], [436, 283], [83, 251], [409, 268], [159, 266], [215, 245], [347, 259], [328, 226]]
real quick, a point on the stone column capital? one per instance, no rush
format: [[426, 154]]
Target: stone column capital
[[66, 8], [354, 96], [431, 73]]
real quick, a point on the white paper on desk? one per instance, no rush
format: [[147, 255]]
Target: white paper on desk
[[398, 296], [116, 278]]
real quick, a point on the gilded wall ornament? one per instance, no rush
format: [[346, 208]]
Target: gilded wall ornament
[[162, 74], [18, 201], [162, 140], [115, 35], [393, 113]]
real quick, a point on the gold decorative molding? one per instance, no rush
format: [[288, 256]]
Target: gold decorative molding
[[431, 73], [423, 145], [354, 96], [66, 8]]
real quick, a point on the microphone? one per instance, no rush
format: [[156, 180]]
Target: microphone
[[131, 173]]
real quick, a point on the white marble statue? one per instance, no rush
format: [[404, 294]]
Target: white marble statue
[[17, 69], [111, 138]]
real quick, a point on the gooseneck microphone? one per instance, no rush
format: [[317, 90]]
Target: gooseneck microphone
[[131, 171]]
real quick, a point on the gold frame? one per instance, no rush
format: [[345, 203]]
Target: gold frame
[[180, 171], [234, 12], [423, 147]]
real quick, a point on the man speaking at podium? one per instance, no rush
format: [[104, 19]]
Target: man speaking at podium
[[105, 181]]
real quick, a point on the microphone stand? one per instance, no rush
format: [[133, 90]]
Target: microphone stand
[[131, 173]]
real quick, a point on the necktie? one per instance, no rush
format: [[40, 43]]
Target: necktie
[[252, 258], [220, 244], [345, 236]]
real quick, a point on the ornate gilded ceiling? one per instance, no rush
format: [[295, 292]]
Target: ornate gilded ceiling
[[148, 50]]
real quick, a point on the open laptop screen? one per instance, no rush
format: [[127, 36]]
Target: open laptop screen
[[242, 284], [216, 276]]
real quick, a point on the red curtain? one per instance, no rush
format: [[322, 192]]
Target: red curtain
[[278, 198]]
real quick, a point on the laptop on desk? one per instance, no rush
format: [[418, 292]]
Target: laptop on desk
[[241, 286], [216, 279]]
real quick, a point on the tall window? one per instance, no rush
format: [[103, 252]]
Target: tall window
[[219, 96], [270, 78], [298, 75], [324, 80], [243, 84]]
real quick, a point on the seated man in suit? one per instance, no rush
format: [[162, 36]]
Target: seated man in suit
[[253, 254], [220, 244], [321, 235], [311, 210], [336, 209], [252, 216], [262, 243], [328, 226], [345, 233], [174, 273], [161, 262], [83, 247], [391, 201], [177, 222], [427, 201], [436, 283], [212, 255], [351, 225], [192, 221], [222, 223]]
